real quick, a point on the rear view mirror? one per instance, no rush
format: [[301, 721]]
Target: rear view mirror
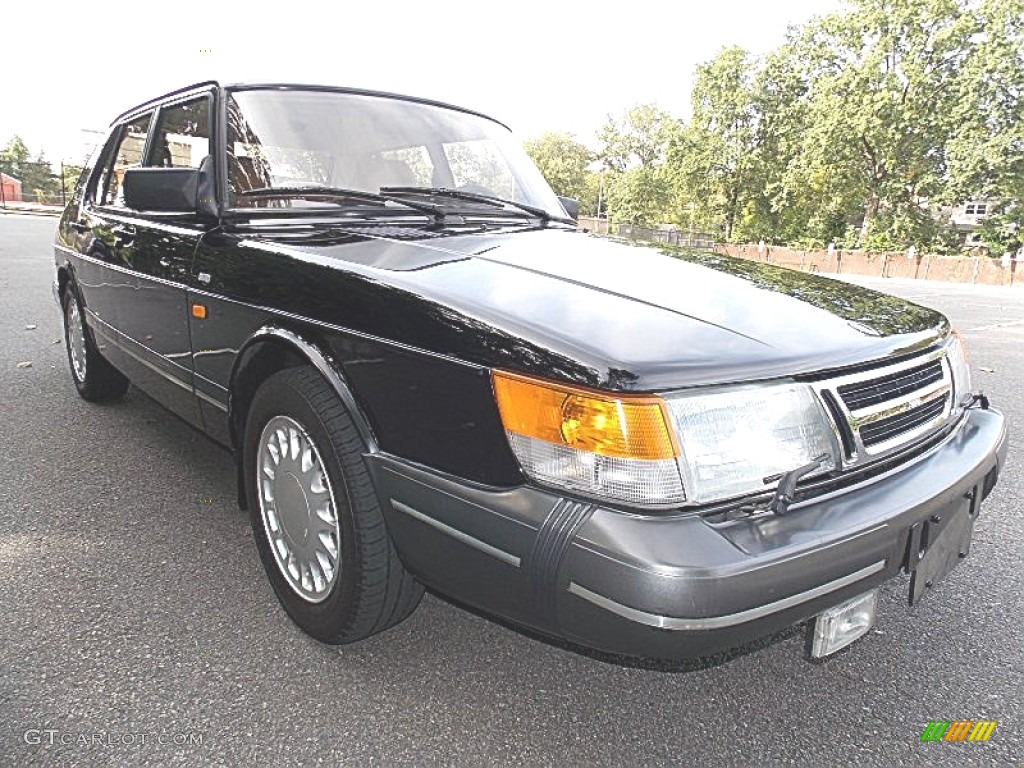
[[571, 205]]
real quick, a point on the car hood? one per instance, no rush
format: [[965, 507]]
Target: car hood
[[632, 316]]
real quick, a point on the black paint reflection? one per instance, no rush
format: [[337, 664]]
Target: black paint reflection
[[878, 312]]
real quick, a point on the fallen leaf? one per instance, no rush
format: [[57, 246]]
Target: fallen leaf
[[25, 364], [986, 370], [31, 327]]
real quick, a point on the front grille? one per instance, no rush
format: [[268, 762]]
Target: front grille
[[886, 429], [884, 388], [882, 410]]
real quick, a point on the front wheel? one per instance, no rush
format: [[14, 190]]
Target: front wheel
[[315, 515]]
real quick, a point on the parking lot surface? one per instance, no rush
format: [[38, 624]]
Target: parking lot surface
[[137, 627]]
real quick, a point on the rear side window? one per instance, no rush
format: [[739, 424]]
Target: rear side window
[[127, 155], [182, 135]]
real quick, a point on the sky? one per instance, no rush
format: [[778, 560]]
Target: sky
[[68, 70]]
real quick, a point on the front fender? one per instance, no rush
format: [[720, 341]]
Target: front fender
[[269, 349], [302, 346]]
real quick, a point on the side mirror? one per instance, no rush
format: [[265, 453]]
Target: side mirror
[[171, 190], [161, 189], [571, 205]]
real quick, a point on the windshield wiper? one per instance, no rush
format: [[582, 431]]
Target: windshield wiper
[[497, 202], [437, 212]]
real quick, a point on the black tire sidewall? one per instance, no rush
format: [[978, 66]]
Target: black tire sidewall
[[326, 620], [82, 385], [102, 381]]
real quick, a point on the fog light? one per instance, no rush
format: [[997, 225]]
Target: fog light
[[839, 626]]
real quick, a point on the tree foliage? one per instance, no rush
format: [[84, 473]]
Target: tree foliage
[[641, 137], [635, 148], [35, 175], [564, 163], [713, 158], [858, 130]]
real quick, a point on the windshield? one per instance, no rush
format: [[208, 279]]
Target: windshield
[[301, 138]]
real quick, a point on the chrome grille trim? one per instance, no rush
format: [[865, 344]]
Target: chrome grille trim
[[894, 426], [884, 388], [886, 410], [922, 389]]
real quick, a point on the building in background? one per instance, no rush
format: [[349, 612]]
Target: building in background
[[967, 218], [10, 189]]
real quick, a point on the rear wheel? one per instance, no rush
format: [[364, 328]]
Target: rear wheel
[[315, 514], [95, 378]]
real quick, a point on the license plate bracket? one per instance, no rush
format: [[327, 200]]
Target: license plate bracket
[[942, 548]]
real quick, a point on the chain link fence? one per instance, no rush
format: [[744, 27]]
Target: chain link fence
[[667, 235], [31, 198]]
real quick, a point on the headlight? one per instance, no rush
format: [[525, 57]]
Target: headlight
[[610, 446], [644, 450], [734, 439], [960, 368]]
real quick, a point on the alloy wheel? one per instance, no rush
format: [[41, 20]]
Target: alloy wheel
[[297, 505]]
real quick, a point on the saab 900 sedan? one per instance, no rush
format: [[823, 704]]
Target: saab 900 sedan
[[428, 377]]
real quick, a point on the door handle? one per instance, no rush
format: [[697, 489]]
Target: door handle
[[124, 234]]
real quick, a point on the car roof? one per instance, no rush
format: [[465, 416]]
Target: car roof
[[207, 84]]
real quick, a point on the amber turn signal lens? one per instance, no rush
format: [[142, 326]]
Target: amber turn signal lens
[[199, 311], [624, 426]]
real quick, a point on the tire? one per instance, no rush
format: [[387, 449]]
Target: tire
[[95, 379], [318, 466]]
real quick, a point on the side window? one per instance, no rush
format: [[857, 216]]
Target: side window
[[127, 155], [182, 135]]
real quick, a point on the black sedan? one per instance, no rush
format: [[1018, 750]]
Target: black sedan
[[428, 376]]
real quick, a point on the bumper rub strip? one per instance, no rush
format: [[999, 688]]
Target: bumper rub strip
[[729, 620], [455, 533]]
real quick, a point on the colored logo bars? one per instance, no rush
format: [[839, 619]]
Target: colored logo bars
[[958, 730]]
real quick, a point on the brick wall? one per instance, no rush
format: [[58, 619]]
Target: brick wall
[[959, 269]]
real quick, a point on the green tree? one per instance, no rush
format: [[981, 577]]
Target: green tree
[[985, 156], [801, 202], [635, 147], [72, 173], [13, 158], [564, 161], [890, 84], [639, 196], [639, 137], [15, 153], [35, 175], [714, 158]]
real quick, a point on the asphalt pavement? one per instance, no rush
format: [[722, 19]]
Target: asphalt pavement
[[137, 627]]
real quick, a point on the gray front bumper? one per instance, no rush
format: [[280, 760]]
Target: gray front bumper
[[673, 585]]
